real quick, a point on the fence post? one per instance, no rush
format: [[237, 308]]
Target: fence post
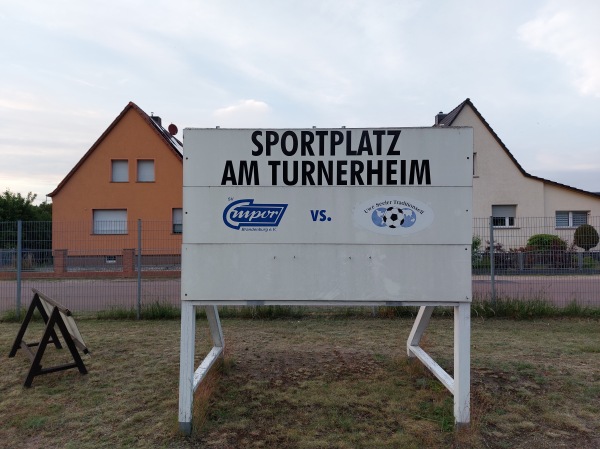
[[139, 269], [492, 262], [129, 262], [19, 265], [60, 261], [521, 258]]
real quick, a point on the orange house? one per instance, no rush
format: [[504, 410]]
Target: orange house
[[133, 172]]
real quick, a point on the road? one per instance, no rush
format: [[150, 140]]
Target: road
[[92, 294], [100, 294], [559, 290]]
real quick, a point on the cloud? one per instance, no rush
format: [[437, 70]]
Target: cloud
[[569, 31], [245, 113], [18, 105], [583, 161]]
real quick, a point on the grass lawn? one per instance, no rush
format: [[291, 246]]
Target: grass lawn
[[311, 382]]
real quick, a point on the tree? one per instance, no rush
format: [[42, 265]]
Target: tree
[[36, 232], [586, 237], [44, 211], [13, 207]]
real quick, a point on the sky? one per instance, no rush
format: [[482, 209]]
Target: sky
[[69, 67]]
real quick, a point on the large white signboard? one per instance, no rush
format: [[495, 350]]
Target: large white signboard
[[327, 216]]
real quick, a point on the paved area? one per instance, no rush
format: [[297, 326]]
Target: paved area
[[96, 294], [560, 290], [99, 294]]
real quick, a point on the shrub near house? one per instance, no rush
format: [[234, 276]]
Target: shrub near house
[[586, 237], [542, 251], [547, 251]]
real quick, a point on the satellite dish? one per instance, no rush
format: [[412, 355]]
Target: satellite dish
[[173, 129]]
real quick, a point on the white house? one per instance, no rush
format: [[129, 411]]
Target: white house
[[515, 199]]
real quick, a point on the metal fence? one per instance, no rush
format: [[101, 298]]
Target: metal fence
[[87, 270], [533, 258], [139, 263]]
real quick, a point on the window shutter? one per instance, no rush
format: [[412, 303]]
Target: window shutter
[[145, 171], [579, 218], [562, 219], [504, 211], [120, 171], [110, 221]]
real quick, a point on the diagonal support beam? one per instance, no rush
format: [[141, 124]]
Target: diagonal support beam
[[445, 378], [419, 327], [460, 385], [216, 332], [189, 380]]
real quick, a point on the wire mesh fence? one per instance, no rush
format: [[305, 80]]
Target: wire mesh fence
[[131, 264], [89, 268], [537, 258]]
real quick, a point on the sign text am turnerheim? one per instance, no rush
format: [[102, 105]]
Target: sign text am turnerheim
[[374, 159]]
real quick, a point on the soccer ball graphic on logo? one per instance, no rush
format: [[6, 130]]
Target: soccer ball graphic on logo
[[393, 217]]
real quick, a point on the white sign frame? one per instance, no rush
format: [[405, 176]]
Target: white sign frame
[[396, 211]]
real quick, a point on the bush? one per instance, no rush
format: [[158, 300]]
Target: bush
[[476, 258], [589, 263], [475, 244], [586, 237], [527, 309], [545, 250], [546, 242]]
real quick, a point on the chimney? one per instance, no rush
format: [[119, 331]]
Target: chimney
[[156, 119], [439, 117]]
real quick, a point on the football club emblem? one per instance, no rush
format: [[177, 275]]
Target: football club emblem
[[393, 215]]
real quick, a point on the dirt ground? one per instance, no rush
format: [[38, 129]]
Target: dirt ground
[[544, 393], [312, 383]]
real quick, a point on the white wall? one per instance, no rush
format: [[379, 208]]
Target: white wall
[[498, 181]]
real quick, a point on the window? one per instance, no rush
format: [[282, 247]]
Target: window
[[570, 219], [145, 171], [110, 221], [119, 171], [177, 221], [475, 170], [503, 216]]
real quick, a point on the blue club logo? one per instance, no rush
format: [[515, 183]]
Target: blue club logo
[[245, 213], [393, 215]]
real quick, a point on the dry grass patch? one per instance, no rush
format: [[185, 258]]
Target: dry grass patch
[[310, 383]]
